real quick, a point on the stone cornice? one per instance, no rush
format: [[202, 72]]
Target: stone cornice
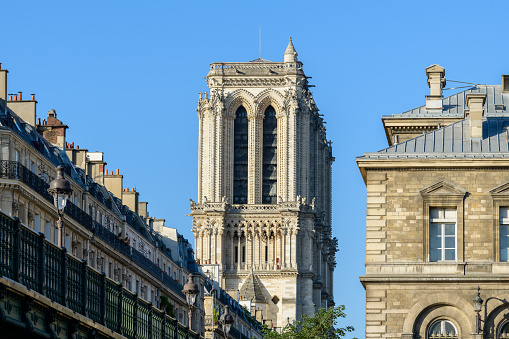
[[263, 274], [433, 278], [222, 208], [427, 164]]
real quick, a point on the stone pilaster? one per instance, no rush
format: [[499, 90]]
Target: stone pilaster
[[376, 218], [255, 151]]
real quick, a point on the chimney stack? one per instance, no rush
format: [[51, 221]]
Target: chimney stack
[[96, 163], [436, 81], [114, 183], [142, 209], [53, 130], [3, 83], [475, 103], [130, 199]]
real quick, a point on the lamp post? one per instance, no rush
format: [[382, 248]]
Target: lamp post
[[477, 308], [226, 321], [191, 291], [60, 189]]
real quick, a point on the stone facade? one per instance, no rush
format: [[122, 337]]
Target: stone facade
[[269, 218], [104, 228], [412, 283]]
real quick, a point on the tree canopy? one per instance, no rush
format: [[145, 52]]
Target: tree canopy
[[321, 325]]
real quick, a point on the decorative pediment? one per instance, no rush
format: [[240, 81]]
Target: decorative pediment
[[443, 188], [502, 190]]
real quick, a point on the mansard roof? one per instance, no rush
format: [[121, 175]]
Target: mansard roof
[[11, 120], [454, 106], [453, 141]]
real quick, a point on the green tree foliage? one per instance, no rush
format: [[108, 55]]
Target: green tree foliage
[[321, 325]]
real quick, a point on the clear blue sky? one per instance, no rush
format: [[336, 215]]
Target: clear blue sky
[[125, 77]]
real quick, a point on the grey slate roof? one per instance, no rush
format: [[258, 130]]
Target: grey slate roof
[[251, 289], [453, 141], [10, 120], [454, 105]]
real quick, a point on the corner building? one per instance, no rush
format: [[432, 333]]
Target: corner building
[[262, 222], [437, 223]]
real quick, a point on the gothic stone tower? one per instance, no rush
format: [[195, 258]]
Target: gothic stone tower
[[262, 222]]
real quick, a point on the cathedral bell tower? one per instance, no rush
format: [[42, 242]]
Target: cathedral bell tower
[[262, 222]]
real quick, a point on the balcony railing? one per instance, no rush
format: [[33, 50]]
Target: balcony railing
[[27, 258], [16, 171]]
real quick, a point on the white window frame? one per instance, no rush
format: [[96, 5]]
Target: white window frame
[[443, 216], [502, 221]]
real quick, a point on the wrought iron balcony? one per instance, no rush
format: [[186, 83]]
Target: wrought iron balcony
[[16, 171], [27, 258]]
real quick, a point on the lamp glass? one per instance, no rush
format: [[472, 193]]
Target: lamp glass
[[477, 305], [61, 200], [226, 328], [192, 298]]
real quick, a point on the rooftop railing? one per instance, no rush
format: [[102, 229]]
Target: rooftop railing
[[254, 65], [27, 258]]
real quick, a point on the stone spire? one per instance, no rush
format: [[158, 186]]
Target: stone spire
[[290, 53], [251, 289]]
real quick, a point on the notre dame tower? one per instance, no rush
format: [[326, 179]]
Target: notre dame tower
[[262, 222]]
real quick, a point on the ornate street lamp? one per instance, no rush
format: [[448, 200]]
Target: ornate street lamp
[[226, 321], [61, 190], [477, 308], [191, 290]]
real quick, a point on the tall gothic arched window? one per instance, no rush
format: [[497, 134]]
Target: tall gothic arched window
[[240, 133], [269, 188]]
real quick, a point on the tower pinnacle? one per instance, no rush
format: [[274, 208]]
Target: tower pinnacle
[[290, 53]]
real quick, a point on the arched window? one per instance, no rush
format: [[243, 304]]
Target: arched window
[[504, 330], [240, 133], [442, 329], [269, 190]]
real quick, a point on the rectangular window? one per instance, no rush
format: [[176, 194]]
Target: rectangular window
[[266, 253], [67, 243], [47, 230], [55, 235], [504, 233], [37, 223], [442, 234], [21, 214], [236, 254], [243, 253]]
